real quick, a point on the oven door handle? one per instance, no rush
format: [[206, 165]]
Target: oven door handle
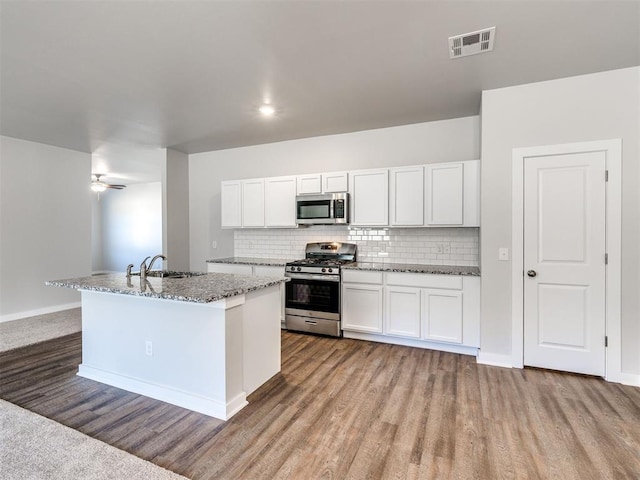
[[310, 276]]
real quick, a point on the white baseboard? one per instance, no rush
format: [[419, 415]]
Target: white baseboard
[[407, 342], [494, 359], [631, 379], [40, 311], [208, 406]]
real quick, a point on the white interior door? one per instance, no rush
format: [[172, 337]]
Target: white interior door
[[564, 262]]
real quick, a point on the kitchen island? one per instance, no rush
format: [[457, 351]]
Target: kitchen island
[[199, 341]]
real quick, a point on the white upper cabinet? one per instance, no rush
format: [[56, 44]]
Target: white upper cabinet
[[369, 197], [309, 184], [253, 203], [280, 201], [231, 204], [452, 194], [432, 195], [335, 182], [444, 193], [406, 196]]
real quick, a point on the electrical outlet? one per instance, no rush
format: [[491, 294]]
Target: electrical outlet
[[446, 248], [214, 244], [439, 248], [503, 254], [148, 348]]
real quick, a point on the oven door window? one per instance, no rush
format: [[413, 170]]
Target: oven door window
[[313, 209], [313, 295]]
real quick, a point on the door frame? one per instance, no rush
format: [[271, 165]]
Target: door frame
[[613, 235]]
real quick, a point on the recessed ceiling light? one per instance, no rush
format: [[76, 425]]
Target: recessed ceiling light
[[267, 110]]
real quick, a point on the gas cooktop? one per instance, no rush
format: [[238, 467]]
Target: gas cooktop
[[324, 257]]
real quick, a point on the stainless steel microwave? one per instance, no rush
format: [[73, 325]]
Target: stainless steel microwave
[[326, 209]]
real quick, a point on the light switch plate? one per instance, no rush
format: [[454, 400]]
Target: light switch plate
[[503, 254]]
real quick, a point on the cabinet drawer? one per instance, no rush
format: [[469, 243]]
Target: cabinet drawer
[[451, 282], [359, 276]]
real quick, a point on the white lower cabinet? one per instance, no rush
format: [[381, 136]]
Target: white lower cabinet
[[362, 301], [422, 310], [402, 311], [442, 315], [362, 308]]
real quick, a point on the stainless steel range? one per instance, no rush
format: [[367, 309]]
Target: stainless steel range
[[312, 301]]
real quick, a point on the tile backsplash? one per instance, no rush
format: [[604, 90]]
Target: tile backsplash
[[434, 246]]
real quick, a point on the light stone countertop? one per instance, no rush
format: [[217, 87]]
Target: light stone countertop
[[204, 288], [267, 262], [413, 268], [373, 266]]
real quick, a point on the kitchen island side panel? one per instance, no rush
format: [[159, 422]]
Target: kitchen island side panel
[[262, 336]]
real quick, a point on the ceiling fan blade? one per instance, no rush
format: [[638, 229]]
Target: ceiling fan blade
[[116, 187]]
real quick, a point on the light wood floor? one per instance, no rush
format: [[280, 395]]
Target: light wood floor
[[351, 409]]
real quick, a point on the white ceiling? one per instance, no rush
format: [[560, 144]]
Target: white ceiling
[[190, 74]]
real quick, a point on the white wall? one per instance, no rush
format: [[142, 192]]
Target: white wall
[[45, 225], [131, 225], [449, 140], [590, 107]]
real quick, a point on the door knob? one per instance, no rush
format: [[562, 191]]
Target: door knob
[[532, 273]]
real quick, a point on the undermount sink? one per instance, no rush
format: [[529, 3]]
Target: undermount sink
[[171, 274]]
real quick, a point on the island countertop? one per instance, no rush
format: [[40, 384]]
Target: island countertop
[[199, 288]]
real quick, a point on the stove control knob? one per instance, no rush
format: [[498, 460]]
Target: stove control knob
[[330, 270], [324, 270], [299, 268]]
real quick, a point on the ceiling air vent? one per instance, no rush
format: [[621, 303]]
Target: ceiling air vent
[[471, 43]]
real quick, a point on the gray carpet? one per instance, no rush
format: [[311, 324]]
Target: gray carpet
[[27, 331], [34, 447]]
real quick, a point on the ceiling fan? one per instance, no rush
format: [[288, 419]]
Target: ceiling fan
[[98, 185]]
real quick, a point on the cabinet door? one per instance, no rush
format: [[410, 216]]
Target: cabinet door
[[444, 193], [280, 201], [234, 268], [369, 197], [253, 203], [442, 315], [231, 204], [471, 210], [309, 184], [406, 196], [402, 311], [362, 308], [335, 182]]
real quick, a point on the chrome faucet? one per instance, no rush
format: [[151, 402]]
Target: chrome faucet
[[143, 269], [153, 260], [129, 267]]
